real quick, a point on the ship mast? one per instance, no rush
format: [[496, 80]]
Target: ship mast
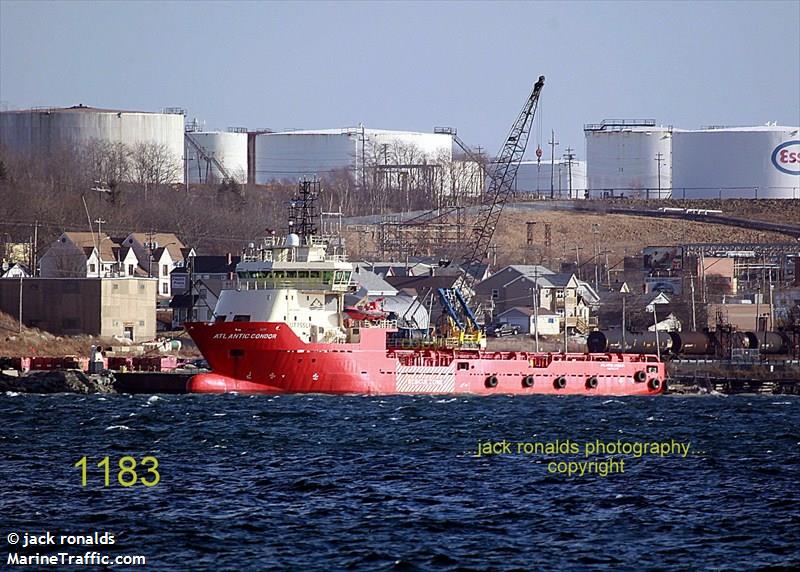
[[303, 214]]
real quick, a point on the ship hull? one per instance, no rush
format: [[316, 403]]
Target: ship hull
[[269, 358]]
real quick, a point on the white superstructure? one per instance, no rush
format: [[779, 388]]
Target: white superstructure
[[628, 158], [229, 149], [742, 162], [46, 131], [290, 281]]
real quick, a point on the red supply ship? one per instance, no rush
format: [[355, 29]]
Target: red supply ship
[[283, 327]]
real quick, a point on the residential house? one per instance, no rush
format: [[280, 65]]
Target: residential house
[[82, 255], [159, 254], [370, 284], [385, 269], [549, 323], [562, 294], [16, 270], [207, 276], [638, 312]]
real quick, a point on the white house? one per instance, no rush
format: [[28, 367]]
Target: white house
[[158, 254], [80, 255], [549, 323], [15, 270]]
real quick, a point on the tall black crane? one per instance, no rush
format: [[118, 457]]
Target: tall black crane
[[501, 180], [502, 173]]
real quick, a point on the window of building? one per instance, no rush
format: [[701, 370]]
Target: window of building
[[495, 294], [203, 293], [92, 268], [164, 269], [130, 269], [165, 288]]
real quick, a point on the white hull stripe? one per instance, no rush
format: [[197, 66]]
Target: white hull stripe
[[426, 379]]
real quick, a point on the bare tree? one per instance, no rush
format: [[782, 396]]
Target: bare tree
[[154, 164]]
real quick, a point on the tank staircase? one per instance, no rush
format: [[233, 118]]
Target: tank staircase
[[203, 153]]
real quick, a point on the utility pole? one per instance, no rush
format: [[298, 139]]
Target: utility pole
[[35, 247], [595, 232], [694, 313], [655, 322], [536, 304], [99, 222], [20, 303], [553, 144], [660, 159], [569, 156], [624, 342]]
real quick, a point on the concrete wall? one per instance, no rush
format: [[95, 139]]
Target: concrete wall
[[72, 306]]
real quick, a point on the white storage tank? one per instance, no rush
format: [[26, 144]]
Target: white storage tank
[[629, 158], [743, 162], [535, 178], [45, 131], [205, 148], [292, 155]]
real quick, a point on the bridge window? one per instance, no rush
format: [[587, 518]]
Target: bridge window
[[463, 365], [241, 318]]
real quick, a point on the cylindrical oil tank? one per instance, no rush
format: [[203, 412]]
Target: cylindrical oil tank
[[46, 131], [747, 162], [596, 342], [229, 149], [629, 158], [612, 341], [691, 343], [291, 155], [773, 342], [744, 340], [535, 177]]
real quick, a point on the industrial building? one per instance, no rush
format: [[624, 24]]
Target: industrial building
[[562, 179], [44, 131], [215, 156], [124, 307], [737, 162], [628, 158], [292, 155]]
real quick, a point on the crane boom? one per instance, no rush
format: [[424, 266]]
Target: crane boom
[[503, 172]]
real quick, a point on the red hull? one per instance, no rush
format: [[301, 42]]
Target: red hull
[[265, 357]]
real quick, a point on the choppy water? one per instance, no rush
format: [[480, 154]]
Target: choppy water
[[353, 483]]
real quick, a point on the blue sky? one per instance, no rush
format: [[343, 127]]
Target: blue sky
[[410, 65]]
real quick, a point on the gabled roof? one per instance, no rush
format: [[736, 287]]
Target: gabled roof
[[211, 265], [159, 252], [531, 269], [424, 283], [509, 274], [122, 252], [87, 240], [633, 300], [167, 240], [371, 283], [524, 310]]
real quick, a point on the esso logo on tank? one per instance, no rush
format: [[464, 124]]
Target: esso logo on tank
[[786, 157]]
